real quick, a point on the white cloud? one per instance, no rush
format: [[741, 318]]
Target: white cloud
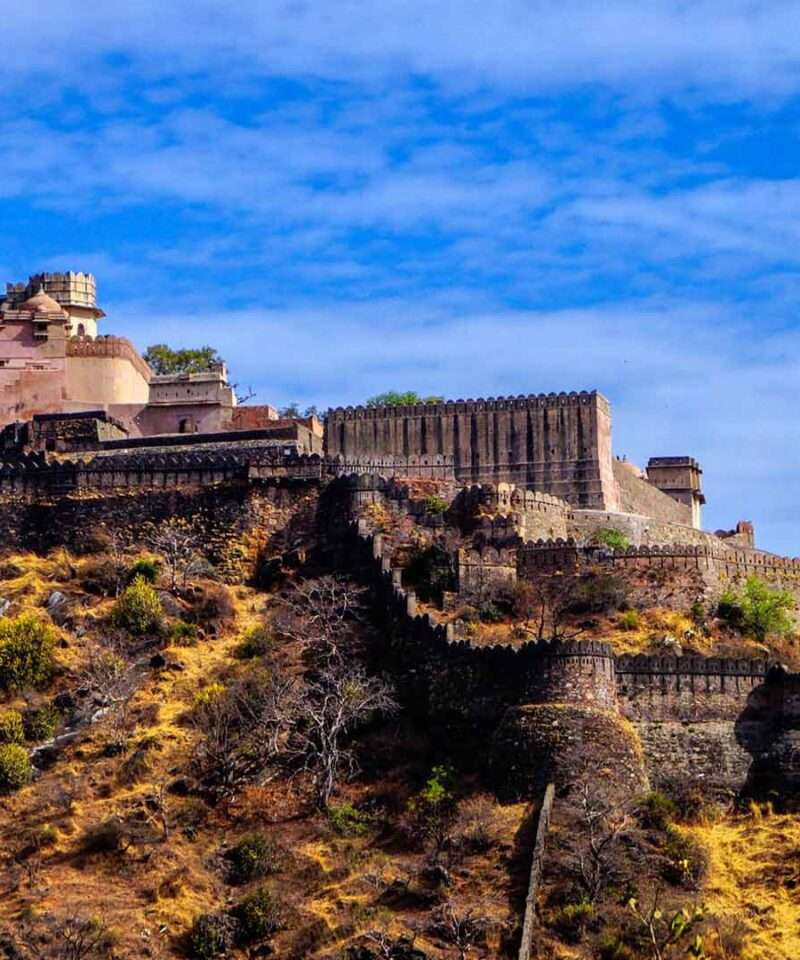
[[735, 47]]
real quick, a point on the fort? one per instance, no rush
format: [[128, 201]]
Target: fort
[[91, 437]]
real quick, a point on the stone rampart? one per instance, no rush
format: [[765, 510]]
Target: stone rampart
[[238, 523], [557, 443], [534, 515], [454, 681], [640, 530], [673, 575], [109, 346], [34, 476]]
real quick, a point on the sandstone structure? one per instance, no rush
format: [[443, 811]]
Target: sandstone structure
[[558, 444], [53, 360]]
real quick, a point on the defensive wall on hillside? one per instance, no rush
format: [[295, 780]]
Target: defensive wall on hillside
[[709, 718], [557, 443], [672, 575]]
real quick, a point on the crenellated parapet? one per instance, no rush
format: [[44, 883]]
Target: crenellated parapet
[[531, 401], [34, 475], [109, 347]]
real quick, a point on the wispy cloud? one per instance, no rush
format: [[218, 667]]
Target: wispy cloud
[[465, 198]]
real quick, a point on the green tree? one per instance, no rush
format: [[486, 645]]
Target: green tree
[[162, 359], [758, 610], [396, 398], [432, 811]]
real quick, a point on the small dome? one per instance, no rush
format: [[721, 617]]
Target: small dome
[[42, 302]]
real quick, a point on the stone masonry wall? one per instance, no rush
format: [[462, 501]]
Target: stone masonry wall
[[672, 576], [638, 496], [556, 443], [238, 522]]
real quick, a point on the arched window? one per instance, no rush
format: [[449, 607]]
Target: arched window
[[81, 330], [186, 425]]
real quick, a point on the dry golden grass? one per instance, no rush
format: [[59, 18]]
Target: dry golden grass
[[755, 877]]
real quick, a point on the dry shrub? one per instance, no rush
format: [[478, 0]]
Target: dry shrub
[[108, 836], [103, 576], [212, 603], [477, 825]]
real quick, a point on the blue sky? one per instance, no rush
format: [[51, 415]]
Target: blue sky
[[455, 197]]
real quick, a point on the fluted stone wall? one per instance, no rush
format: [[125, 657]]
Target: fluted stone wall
[[556, 443]]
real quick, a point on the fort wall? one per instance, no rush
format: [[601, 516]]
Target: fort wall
[[672, 576], [707, 719], [557, 443], [637, 495]]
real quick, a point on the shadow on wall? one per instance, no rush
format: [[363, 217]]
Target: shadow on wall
[[769, 730]]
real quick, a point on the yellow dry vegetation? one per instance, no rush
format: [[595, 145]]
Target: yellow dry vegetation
[[754, 878]]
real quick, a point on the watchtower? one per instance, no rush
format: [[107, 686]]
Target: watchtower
[[679, 477]]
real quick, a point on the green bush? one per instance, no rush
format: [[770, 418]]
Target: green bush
[[11, 729], [145, 567], [254, 857], [430, 570], [573, 918], [432, 812], [212, 935], [610, 537], [655, 810], [491, 612], [349, 821], [26, 652], [15, 767], [630, 620], [255, 643], [138, 610], [260, 915], [436, 506], [758, 610], [183, 634], [41, 723]]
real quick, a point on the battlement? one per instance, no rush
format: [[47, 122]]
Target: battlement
[[723, 554], [667, 666], [109, 346], [75, 289], [481, 405]]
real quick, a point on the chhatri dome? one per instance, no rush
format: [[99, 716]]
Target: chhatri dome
[[42, 302]]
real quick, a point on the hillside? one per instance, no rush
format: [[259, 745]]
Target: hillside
[[285, 764]]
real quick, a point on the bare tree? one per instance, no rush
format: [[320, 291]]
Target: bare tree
[[340, 698], [465, 930], [604, 822], [543, 604], [74, 937], [179, 542], [321, 614], [30, 859], [245, 730]]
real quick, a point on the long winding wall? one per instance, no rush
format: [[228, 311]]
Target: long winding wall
[[716, 721]]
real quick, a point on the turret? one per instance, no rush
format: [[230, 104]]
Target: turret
[[679, 477]]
